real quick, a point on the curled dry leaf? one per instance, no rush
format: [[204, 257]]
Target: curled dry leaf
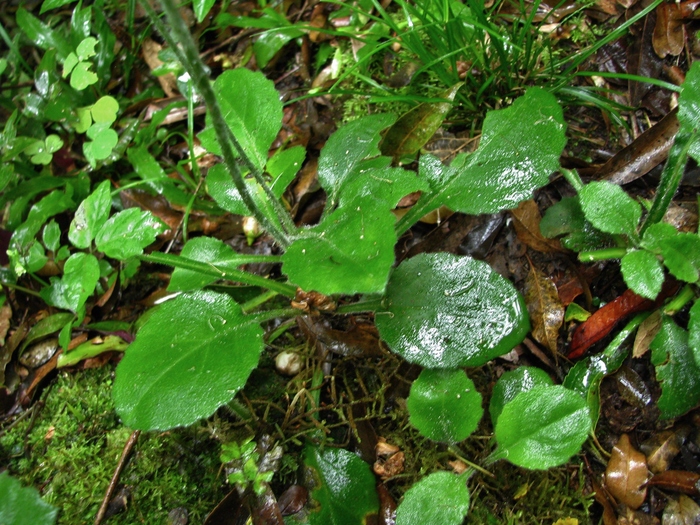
[[526, 220], [626, 474], [646, 334], [545, 308]]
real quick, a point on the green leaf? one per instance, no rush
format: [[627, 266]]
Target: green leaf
[[681, 254], [127, 233], [438, 499], [103, 138], [88, 349], [22, 505], [192, 356], [270, 42], [510, 384], [643, 273], [677, 369], [694, 332], [69, 64], [689, 107], [52, 236], [542, 428], [53, 4], [518, 151], [90, 216], [251, 106], [344, 487], [84, 120], [105, 109], [204, 249], [86, 48], [81, 76], [655, 234], [609, 208], [283, 167], [344, 151], [444, 405], [80, 275], [416, 127], [202, 8], [444, 311], [352, 249], [52, 204], [41, 34]]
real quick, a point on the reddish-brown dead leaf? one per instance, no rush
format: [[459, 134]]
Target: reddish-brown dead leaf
[[526, 220], [387, 506], [642, 60], [678, 481], [669, 31], [663, 447], [601, 496], [293, 500], [604, 320], [546, 311], [626, 474]]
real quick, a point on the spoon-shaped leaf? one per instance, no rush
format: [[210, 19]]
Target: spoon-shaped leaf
[[192, 356], [445, 311], [444, 405]]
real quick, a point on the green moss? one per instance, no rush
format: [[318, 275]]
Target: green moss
[[70, 448]]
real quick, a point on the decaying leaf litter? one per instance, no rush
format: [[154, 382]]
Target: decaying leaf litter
[[360, 403]]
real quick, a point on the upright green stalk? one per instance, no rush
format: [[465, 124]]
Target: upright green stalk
[[180, 41]]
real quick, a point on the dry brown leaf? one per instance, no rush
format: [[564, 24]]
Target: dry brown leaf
[[526, 220], [684, 511], [678, 481], [626, 474], [5, 316], [663, 447], [545, 308], [646, 333], [669, 31], [151, 48]]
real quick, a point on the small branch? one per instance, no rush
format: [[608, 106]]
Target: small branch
[[115, 477], [602, 255]]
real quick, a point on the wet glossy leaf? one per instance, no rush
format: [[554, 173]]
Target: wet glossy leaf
[[510, 384], [416, 127], [689, 106], [542, 428], [545, 308], [643, 273], [345, 149], [440, 498], [105, 109], [343, 487], [254, 114], [21, 505], [609, 208], [676, 369], [444, 405], [283, 167], [205, 249], [694, 331], [52, 204], [352, 249], [90, 216], [270, 42], [192, 356], [519, 149], [53, 4], [127, 233], [41, 34], [80, 275], [444, 311], [202, 8], [81, 77], [626, 474]]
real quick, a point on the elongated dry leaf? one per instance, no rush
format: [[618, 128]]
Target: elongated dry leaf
[[626, 475], [151, 48], [663, 447], [526, 220], [646, 333], [545, 308], [669, 31]]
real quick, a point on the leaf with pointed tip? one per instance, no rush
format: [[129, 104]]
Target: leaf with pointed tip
[[445, 311], [90, 216], [416, 127], [192, 356]]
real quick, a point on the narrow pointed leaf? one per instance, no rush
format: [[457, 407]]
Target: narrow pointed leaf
[[444, 311], [192, 356]]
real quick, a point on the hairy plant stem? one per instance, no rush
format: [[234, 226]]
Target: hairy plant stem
[[227, 272], [573, 178], [670, 178], [188, 55]]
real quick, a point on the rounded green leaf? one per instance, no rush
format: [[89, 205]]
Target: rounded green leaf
[[643, 273], [510, 384], [444, 405], [103, 138], [609, 208], [21, 505], [681, 254], [80, 275], [81, 76], [192, 356], [90, 216], [445, 311], [343, 487], [542, 428], [441, 498], [53, 143], [127, 233], [105, 109], [86, 48]]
